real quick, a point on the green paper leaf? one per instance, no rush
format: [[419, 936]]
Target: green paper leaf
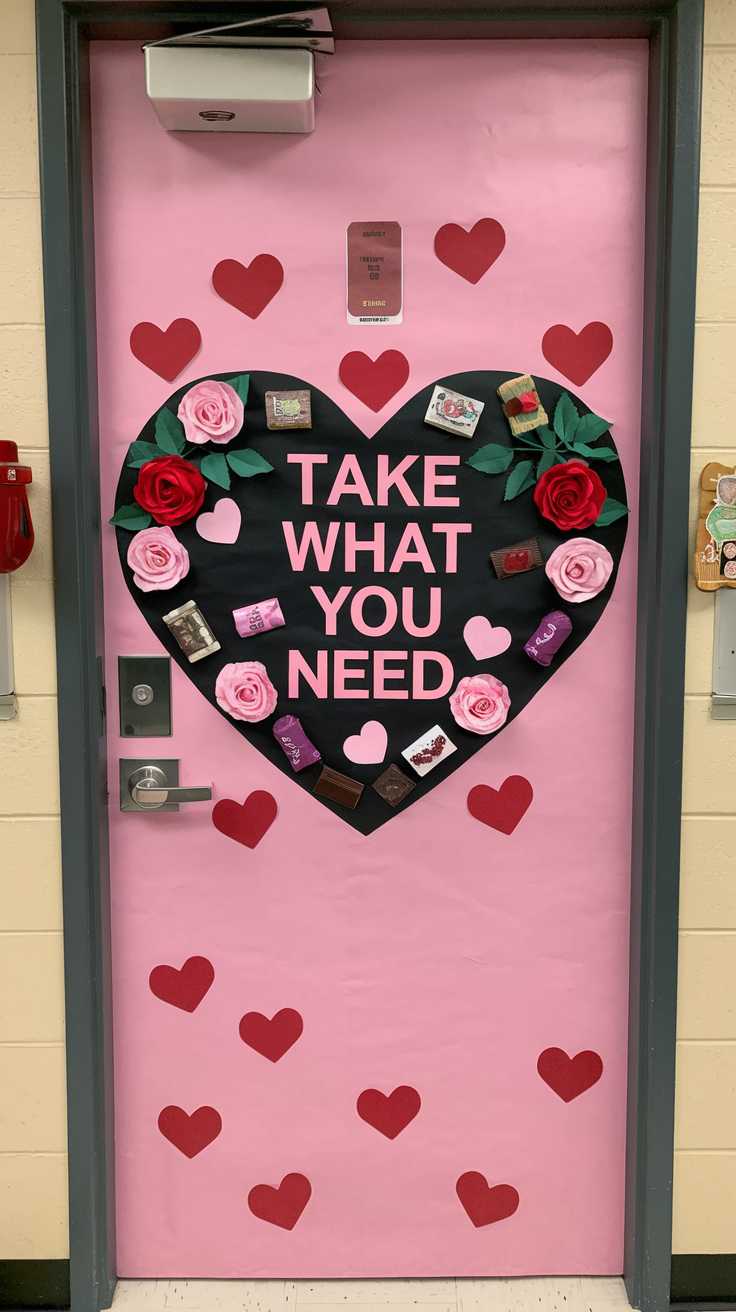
[[590, 427], [214, 469], [566, 418], [492, 458], [594, 452], [139, 453], [241, 384], [547, 437], [169, 433], [611, 511], [246, 463], [131, 517], [549, 459], [520, 478]]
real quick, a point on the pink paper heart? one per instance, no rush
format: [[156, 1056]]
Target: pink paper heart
[[221, 524], [483, 639], [369, 746]]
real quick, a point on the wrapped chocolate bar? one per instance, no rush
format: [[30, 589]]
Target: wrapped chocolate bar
[[393, 785], [508, 561], [257, 618], [192, 632], [521, 404], [427, 752], [291, 737], [338, 787], [551, 633], [289, 409], [453, 412]]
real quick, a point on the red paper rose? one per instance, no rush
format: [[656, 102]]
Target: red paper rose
[[170, 489], [571, 495]]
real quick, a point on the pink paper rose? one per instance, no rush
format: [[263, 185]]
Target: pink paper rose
[[480, 703], [579, 569], [158, 559], [211, 412], [245, 691]]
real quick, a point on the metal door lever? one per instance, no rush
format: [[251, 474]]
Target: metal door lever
[[149, 789]]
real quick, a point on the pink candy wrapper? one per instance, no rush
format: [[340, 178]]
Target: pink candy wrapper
[[259, 617]]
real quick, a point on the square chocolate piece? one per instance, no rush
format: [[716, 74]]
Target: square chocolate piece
[[393, 785], [289, 409], [522, 556], [338, 787], [453, 412], [427, 752], [521, 404]]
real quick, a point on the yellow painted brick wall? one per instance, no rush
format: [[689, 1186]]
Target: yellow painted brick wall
[[33, 1182], [33, 1205], [705, 1158]]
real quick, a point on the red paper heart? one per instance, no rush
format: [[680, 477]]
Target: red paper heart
[[374, 382], [501, 808], [166, 351], [389, 1113], [246, 823], [567, 1076], [577, 355], [249, 287], [190, 1134], [485, 1204], [183, 988], [282, 1206], [272, 1038], [470, 254]]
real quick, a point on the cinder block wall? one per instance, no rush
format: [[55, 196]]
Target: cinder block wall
[[33, 1204], [33, 1183], [705, 1159]]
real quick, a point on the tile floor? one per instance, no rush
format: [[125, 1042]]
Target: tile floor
[[573, 1294]]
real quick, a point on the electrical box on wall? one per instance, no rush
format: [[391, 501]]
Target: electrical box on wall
[[256, 76]]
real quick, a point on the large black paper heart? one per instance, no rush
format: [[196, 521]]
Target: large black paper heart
[[223, 578]]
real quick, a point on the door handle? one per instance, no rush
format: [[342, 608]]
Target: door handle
[[149, 790]]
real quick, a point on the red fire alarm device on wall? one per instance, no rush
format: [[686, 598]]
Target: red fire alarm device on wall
[[16, 526]]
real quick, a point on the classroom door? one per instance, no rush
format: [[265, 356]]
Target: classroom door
[[370, 998]]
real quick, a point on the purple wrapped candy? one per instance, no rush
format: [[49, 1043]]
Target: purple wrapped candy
[[290, 735], [552, 631]]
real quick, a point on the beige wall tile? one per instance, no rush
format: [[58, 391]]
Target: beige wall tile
[[19, 158], [699, 642], [29, 765], [18, 32], [20, 261], [40, 563], [718, 145], [709, 767], [706, 1095], [705, 1217], [714, 394], [706, 996], [720, 21], [23, 386], [708, 873], [33, 635], [32, 1099], [31, 988], [716, 297], [31, 874], [33, 1206]]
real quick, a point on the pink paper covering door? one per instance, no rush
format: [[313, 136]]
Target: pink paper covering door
[[436, 953]]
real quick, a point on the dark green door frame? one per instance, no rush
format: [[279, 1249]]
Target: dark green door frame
[[674, 31]]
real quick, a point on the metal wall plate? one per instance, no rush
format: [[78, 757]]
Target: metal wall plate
[[127, 767], [144, 688], [723, 700]]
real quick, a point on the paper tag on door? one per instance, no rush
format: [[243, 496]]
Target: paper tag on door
[[374, 273]]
